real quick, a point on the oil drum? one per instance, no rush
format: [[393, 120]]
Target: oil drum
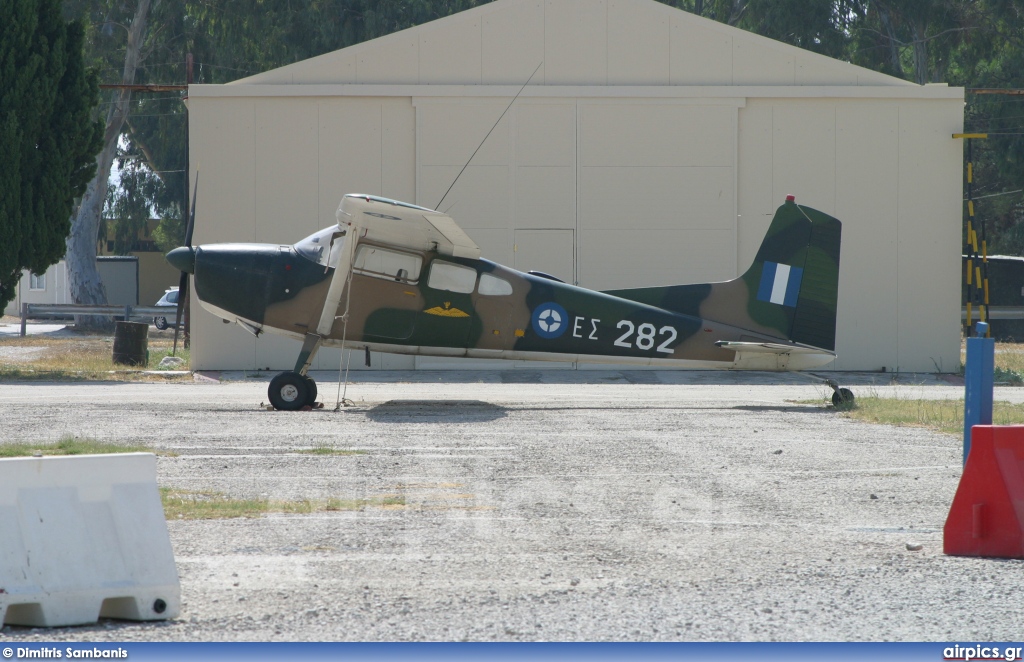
[[131, 343]]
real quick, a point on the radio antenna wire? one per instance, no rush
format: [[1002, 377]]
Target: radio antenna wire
[[488, 134]]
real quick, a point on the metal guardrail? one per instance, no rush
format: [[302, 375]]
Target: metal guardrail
[[995, 313], [49, 310]]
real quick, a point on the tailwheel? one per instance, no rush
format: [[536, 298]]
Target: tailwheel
[[842, 397], [310, 391], [290, 391]]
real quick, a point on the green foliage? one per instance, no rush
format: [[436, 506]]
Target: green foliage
[[128, 207], [48, 137], [970, 43]]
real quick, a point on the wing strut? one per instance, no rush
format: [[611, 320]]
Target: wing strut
[[341, 273]]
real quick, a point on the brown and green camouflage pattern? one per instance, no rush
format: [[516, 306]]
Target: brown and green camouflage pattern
[[276, 288]]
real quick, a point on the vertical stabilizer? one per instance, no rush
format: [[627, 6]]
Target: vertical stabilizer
[[789, 292]]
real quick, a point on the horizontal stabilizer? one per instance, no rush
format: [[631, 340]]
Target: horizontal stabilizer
[[776, 356]]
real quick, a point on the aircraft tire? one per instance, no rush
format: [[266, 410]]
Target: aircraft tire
[[288, 391], [311, 394], [842, 398]]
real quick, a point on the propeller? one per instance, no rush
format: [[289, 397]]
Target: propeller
[[188, 261]]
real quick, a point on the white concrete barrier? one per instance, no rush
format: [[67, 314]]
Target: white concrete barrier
[[84, 537]]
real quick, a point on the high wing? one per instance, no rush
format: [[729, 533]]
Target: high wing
[[403, 225], [392, 223]]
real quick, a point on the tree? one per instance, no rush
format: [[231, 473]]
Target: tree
[[970, 43], [47, 136], [83, 278]]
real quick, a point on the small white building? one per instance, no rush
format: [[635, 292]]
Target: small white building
[[650, 147], [119, 275]]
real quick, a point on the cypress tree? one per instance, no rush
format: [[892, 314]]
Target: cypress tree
[[48, 135]]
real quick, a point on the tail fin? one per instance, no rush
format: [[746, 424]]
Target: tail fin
[[789, 292]]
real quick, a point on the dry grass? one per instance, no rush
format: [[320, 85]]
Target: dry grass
[[1009, 362], [187, 504], [83, 356], [73, 446], [331, 450], [941, 415]]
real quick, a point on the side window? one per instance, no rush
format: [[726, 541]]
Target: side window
[[451, 277], [494, 286], [37, 281], [383, 263]]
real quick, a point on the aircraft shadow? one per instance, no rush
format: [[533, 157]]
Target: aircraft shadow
[[436, 411]]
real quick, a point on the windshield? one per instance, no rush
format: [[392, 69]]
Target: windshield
[[317, 246]]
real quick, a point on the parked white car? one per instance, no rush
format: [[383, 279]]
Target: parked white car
[[170, 299]]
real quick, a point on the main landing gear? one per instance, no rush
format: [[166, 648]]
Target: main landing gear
[[293, 390]]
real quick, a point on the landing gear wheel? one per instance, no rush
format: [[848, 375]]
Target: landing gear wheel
[[160, 322], [842, 397], [288, 391], [311, 390]]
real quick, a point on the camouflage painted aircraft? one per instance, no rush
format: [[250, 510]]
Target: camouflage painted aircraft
[[395, 277]]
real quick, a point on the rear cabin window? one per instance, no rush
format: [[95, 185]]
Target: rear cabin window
[[451, 277], [494, 286], [383, 263]]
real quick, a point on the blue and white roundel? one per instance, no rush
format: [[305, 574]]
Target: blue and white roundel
[[550, 320]]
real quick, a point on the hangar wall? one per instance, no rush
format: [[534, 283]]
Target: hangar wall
[[616, 167]]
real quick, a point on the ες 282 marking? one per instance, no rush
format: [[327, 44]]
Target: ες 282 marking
[[646, 335]]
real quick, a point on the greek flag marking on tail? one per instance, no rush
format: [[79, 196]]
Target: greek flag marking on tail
[[780, 283]]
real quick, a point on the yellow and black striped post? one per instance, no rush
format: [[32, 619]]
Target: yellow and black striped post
[[976, 251]]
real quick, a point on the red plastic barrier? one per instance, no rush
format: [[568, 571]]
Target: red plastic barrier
[[987, 515]]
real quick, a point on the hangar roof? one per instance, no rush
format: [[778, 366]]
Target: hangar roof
[[574, 42]]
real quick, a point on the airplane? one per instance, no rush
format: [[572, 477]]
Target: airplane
[[396, 277]]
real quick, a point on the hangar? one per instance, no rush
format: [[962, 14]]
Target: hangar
[[651, 147]]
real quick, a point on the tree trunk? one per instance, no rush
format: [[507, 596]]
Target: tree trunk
[[83, 277], [894, 50], [920, 52], [736, 12]]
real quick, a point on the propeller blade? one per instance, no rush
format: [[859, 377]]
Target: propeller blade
[[183, 281], [182, 295], [192, 216]]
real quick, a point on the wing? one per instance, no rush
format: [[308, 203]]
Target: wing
[[403, 225], [776, 356]]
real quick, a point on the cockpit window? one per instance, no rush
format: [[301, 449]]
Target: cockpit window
[[384, 263], [317, 247]]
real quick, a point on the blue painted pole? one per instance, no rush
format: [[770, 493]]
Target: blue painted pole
[[979, 373]]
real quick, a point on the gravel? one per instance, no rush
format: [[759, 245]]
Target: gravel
[[548, 505]]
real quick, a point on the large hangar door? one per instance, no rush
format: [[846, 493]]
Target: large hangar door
[[517, 197], [657, 192]]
